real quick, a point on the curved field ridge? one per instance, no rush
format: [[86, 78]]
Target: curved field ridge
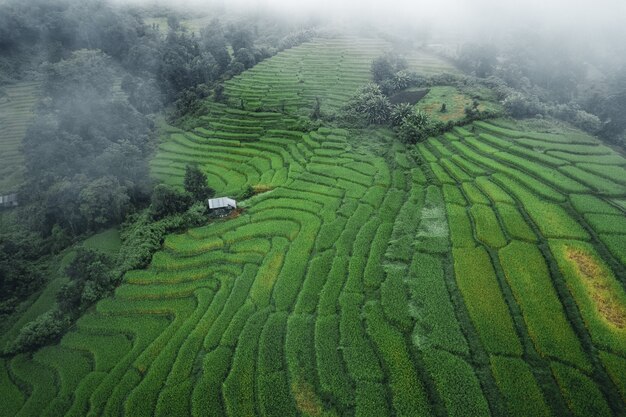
[[476, 274]]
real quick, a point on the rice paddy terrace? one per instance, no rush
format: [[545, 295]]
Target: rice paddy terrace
[[328, 69], [478, 273], [16, 113]]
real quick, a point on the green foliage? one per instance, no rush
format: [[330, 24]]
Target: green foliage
[[413, 127], [368, 106], [167, 200], [195, 183], [45, 328]]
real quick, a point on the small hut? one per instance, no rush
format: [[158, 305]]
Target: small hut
[[9, 200], [222, 206]]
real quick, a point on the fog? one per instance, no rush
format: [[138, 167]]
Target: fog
[[595, 28]]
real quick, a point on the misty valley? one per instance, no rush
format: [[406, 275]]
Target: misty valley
[[271, 208]]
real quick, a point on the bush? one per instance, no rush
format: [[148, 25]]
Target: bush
[[368, 106], [45, 328], [167, 200], [413, 127]]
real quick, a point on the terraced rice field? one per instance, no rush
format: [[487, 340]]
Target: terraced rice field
[[480, 273], [16, 113], [329, 69]]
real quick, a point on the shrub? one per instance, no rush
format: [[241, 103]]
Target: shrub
[[413, 127], [44, 329]]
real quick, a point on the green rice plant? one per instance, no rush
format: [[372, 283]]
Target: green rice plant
[[452, 194], [441, 175], [294, 267], [318, 270], [394, 298], [460, 227], [399, 179], [371, 400], [300, 356], [491, 141], [358, 259], [263, 285], [527, 274], [582, 396], [538, 187], [566, 147], [495, 193], [599, 296], [373, 274], [408, 396], [609, 159], [584, 203], [616, 245], [391, 206], [157, 366], [598, 183], [514, 223], [230, 338], [547, 174], [400, 246], [481, 146], [551, 219], [80, 405], [436, 144], [616, 368], [216, 320], [356, 348], [273, 390], [41, 380], [330, 368], [239, 386], [457, 173], [456, 383], [473, 194], [107, 350], [12, 397], [477, 281], [185, 245], [328, 301], [207, 397], [383, 175], [487, 227], [472, 168], [607, 223], [518, 386], [374, 196], [417, 175], [425, 153], [462, 131]]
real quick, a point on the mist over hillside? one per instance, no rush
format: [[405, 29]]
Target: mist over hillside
[[312, 208]]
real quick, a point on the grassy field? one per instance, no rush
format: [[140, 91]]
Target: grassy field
[[478, 273], [455, 103], [16, 112]]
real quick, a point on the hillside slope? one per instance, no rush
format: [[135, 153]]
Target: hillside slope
[[480, 273]]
